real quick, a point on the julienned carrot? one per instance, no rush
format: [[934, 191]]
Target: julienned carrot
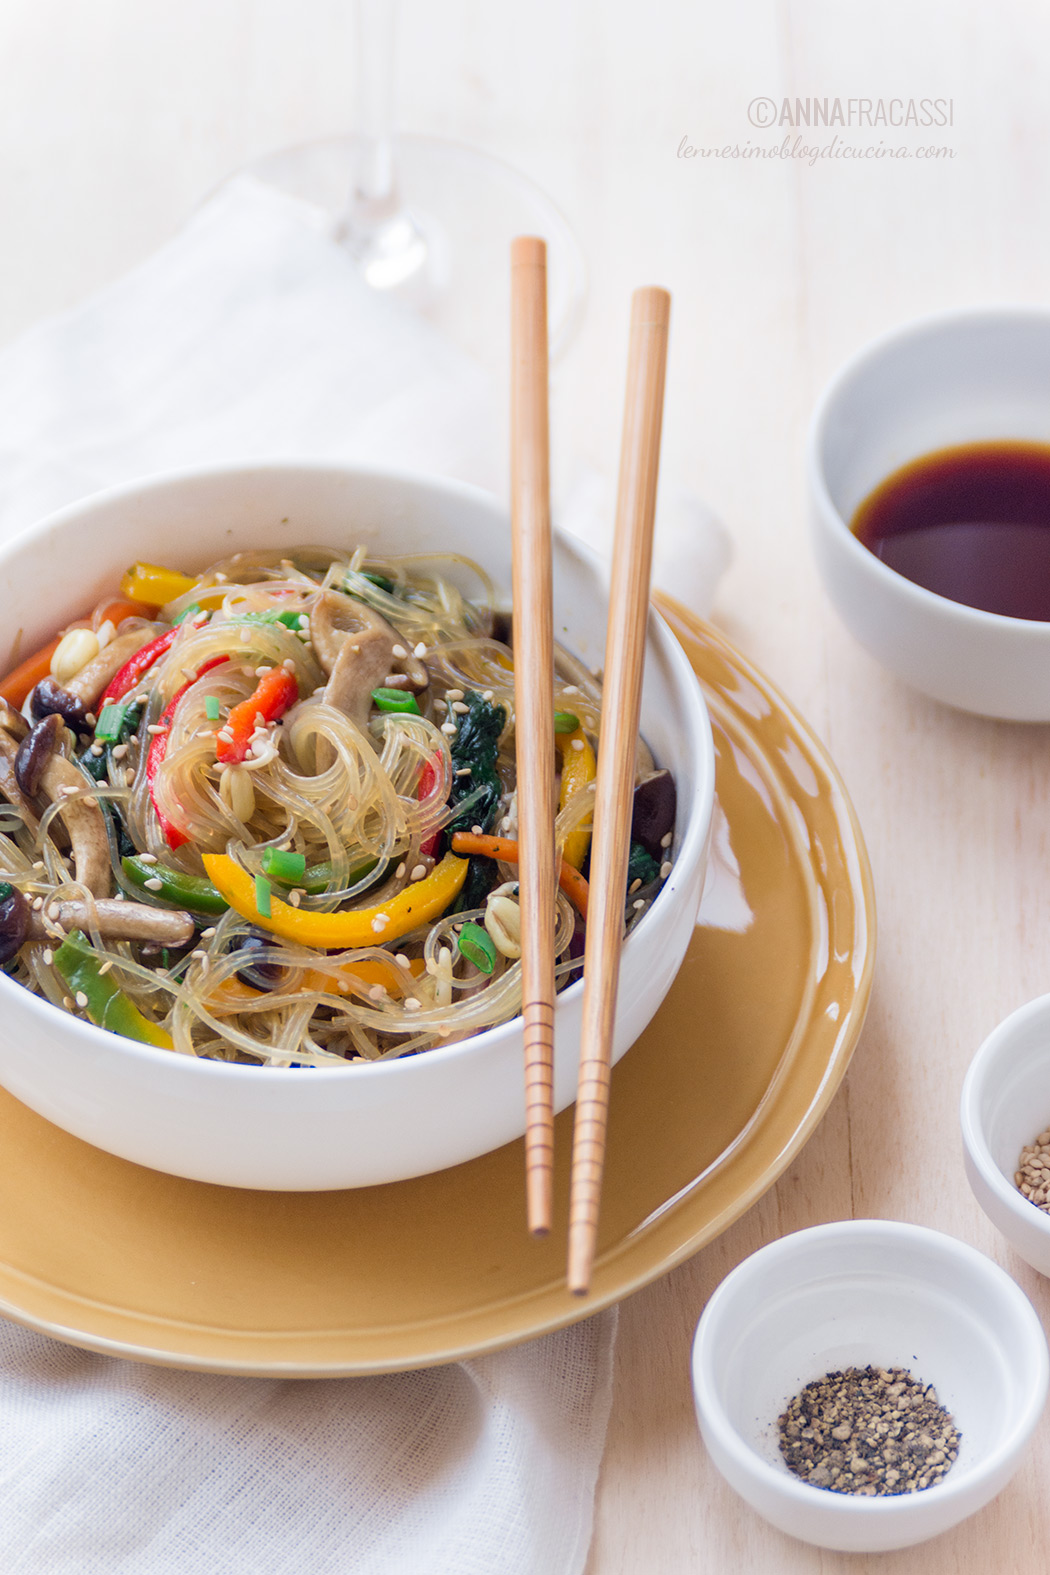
[[505, 849], [15, 686]]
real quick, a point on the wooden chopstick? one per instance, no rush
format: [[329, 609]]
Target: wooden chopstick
[[621, 704], [534, 709]]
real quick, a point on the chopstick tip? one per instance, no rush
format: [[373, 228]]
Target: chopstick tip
[[528, 251]]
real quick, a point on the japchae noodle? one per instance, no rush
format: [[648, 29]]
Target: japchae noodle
[[237, 834]]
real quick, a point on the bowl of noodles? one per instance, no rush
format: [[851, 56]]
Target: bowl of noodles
[[258, 906]]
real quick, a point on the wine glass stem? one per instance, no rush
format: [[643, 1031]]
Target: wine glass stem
[[375, 187]]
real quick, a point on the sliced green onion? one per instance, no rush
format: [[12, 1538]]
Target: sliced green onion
[[383, 581], [284, 866], [189, 612], [211, 707], [565, 722], [109, 724], [478, 947], [262, 896], [395, 700]]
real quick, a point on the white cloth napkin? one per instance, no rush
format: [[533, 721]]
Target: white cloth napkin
[[251, 335]]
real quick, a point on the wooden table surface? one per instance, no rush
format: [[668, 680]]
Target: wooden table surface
[[115, 118]]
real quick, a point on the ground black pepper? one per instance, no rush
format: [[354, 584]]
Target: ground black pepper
[[870, 1431]]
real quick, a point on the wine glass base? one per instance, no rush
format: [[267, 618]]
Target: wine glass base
[[445, 249]]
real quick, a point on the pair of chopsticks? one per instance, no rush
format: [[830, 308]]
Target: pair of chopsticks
[[534, 732]]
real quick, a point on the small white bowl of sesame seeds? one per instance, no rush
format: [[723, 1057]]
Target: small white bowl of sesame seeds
[[1005, 1117]]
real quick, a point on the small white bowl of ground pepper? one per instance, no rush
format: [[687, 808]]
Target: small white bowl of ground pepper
[[867, 1385], [1005, 1117]]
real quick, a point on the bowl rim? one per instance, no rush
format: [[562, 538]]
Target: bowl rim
[[701, 805], [822, 1501], [825, 511], [971, 1122]]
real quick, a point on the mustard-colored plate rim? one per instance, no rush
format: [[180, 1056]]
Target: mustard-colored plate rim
[[809, 880]]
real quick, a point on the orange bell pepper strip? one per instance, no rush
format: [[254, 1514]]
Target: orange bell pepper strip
[[16, 684], [416, 904], [277, 690], [505, 849], [233, 994]]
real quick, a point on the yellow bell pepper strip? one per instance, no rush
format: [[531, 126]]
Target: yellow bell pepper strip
[[416, 904], [154, 585], [505, 849], [578, 768]]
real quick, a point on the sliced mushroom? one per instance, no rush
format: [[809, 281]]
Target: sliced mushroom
[[34, 752], [359, 651], [9, 781], [83, 818], [13, 721], [89, 685], [116, 920], [50, 699]]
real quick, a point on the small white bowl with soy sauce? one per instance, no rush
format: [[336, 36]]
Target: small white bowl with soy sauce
[[929, 478]]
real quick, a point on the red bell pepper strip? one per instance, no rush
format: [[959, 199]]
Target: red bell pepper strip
[[277, 690], [127, 677], [158, 748], [427, 778]]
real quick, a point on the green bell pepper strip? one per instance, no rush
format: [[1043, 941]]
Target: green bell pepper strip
[[191, 892], [107, 1005]]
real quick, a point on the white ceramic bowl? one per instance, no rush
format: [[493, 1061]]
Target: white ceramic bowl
[[850, 1294], [1005, 1104], [291, 1129], [944, 380]]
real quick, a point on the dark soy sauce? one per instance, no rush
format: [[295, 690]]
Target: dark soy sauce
[[971, 523]]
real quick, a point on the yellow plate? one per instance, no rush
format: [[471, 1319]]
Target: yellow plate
[[707, 1110]]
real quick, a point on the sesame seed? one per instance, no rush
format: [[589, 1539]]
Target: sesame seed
[[67, 790], [261, 671], [401, 959], [289, 664], [81, 999], [157, 727], [400, 652], [90, 718], [411, 1004], [399, 872], [479, 831], [379, 923], [96, 750], [418, 872], [459, 708], [487, 694], [147, 858], [304, 622], [49, 956], [142, 698], [154, 884], [571, 689], [665, 869], [200, 954], [129, 777], [420, 649], [245, 635], [295, 896], [106, 966], [38, 864], [633, 887], [450, 728], [207, 934], [220, 578], [120, 751], [464, 771], [577, 743], [639, 904], [377, 993], [67, 1002], [453, 694], [667, 839], [38, 903]]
